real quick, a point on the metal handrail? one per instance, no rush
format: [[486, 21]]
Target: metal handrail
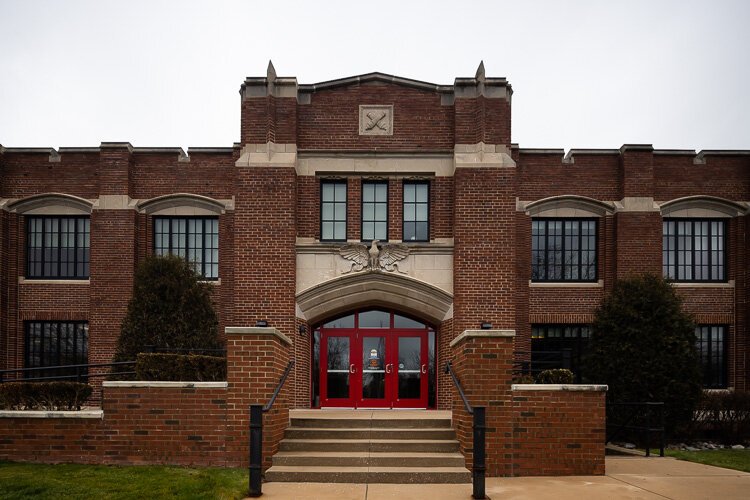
[[255, 467], [76, 376], [289, 367], [647, 430], [479, 428], [467, 405]]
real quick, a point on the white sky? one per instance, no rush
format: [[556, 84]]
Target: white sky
[[585, 73]]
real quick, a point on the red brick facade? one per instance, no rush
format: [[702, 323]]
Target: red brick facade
[[265, 192]]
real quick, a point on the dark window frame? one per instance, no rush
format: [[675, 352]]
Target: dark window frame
[[334, 220], [579, 343], [713, 377], [374, 182], [204, 234], [86, 262], [546, 262], [666, 268], [29, 352], [415, 203]]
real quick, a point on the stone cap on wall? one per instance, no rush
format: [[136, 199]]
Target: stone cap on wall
[[467, 334], [257, 330], [164, 384], [560, 387], [95, 414]]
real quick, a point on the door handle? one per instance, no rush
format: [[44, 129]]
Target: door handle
[[424, 369], [351, 368], [389, 368]]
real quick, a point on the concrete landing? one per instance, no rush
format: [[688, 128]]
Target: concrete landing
[[626, 478]]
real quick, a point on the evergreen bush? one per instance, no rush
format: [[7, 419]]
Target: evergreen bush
[[180, 367], [643, 348]]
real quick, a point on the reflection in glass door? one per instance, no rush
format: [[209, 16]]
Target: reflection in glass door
[[411, 370], [336, 384], [375, 367]]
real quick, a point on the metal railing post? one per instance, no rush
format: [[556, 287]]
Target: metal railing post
[[256, 450], [663, 433], [648, 430], [479, 464]]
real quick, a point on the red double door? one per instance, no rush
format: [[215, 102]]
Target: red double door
[[374, 369]]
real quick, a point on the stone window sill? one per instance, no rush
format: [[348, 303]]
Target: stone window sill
[[566, 284]]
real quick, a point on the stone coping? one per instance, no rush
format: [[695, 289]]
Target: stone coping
[[257, 330], [560, 387], [467, 334], [165, 384], [90, 414]]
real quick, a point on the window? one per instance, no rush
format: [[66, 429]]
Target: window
[[58, 247], [711, 345], [560, 346], [416, 211], [54, 343], [694, 249], [195, 239], [563, 249], [374, 211], [333, 211]]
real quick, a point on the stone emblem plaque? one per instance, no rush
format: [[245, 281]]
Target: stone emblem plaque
[[375, 120]]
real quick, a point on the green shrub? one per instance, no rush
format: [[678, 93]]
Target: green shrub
[[171, 308], [643, 348], [524, 379], [51, 396], [555, 376], [180, 367]]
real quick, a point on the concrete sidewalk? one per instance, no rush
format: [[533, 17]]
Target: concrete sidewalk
[[626, 478]]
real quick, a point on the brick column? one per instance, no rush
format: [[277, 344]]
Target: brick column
[[483, 362], [113, 252], [256, 360]]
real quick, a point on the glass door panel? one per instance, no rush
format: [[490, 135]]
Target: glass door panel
[[411, 370], [375, 369], [336, 383]]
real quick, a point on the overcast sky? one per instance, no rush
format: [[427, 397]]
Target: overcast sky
[[585, 74]]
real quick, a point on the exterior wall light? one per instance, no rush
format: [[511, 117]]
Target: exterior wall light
[[486, 325], [261, 323], [302, 330]]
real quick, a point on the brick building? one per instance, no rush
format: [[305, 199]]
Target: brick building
[[472, 229]]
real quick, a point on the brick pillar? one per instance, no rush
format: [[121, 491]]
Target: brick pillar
[[638, 221], [483, 362], [112, 252], [256, 360]]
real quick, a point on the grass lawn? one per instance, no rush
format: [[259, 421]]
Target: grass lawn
[[731, 459], [38, 481]]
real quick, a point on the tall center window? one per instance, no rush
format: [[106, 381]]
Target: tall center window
[[333, 210], [375, 210], [416, 211], [195, 239], [694, 249], [712, 350], [58, 247], [563, 249]]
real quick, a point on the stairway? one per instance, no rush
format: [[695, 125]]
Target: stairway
[[369, 446]]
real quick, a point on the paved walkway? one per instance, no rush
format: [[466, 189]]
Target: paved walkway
[[626, 478]]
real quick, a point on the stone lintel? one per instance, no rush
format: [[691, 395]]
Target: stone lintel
[[482, 334], [560, 387], [257, 330]]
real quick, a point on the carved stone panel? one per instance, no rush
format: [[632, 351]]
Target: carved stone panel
[[375, 120]]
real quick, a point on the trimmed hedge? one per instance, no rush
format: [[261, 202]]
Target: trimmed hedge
[[180, 367], [555, 376], [50, 396]]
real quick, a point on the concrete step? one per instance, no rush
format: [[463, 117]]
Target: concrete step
[[323, 474], [399, 445], [376, 422], [379, 433], [364, 459]]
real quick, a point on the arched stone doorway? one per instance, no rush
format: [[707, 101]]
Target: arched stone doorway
[[374, 358], [373, 323]]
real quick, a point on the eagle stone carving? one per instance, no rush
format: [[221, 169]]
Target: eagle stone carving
[[374, 258]]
